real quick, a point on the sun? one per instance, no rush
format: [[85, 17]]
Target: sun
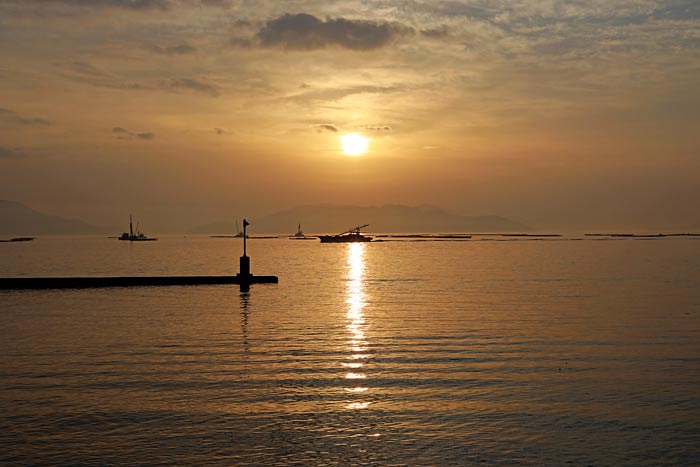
[[354, 144]]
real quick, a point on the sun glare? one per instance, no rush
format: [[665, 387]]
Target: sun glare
[[354, 144]]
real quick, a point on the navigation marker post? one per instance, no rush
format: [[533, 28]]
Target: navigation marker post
[[244, 277], [244, 273]]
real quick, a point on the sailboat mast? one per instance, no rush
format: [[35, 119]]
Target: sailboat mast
[[131, 227]]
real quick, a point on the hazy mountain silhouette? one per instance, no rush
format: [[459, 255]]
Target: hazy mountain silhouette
[[389, 218], [16, 218]]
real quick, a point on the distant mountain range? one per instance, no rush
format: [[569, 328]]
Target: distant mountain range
[[325, 218], [18, 219]]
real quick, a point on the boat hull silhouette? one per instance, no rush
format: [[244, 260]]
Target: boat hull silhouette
[[349, 236], [135, 237]]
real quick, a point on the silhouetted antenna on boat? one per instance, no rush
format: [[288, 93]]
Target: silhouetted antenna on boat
[[354, 229]]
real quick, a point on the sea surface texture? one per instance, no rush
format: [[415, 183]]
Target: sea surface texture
[[550, 352]]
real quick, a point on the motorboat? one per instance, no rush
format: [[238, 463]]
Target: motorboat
[[349, 236]]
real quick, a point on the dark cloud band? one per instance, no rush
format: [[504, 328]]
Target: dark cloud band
[[307, 32], [123, 4]]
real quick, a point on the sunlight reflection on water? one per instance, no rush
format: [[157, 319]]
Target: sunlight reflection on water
[[356, 325]]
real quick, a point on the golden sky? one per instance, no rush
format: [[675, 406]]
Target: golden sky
[[554, 113]]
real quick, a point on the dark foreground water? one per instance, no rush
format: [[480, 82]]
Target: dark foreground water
[[534, 353]]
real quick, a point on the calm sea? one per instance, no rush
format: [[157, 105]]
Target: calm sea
[[528, 352]]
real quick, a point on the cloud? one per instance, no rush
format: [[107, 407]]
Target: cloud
[[681, 10], [84, 68], [129, 135], [377, 127], [335, 94], [333, 128], [436, 33], [193, 85], [181, 49], [217, 3], [84, 72], [11, 153], [34, 121], [69, 8], [121, 4], [307, 32], [10, 116], [325, 127]]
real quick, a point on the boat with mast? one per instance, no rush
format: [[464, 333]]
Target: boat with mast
[[349, 236], [299, 235], [238, 234], [135, 237]]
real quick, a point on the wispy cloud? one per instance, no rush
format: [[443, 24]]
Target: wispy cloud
[[193, 85], [320, 127], [333, 128], [125, 134], [180, 49], [33, 121], [84, 72], [138, 5], [436, 33], [376, 127], [216, 3], [10, 116], [333, 94], [11, 153]]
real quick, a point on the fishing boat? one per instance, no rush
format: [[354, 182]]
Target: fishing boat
[[238, 234], [135, 237], [299, 235], [349, 236]]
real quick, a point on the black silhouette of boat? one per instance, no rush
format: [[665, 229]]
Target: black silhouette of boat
[[349, 236], [135, 237], [239, 234]]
